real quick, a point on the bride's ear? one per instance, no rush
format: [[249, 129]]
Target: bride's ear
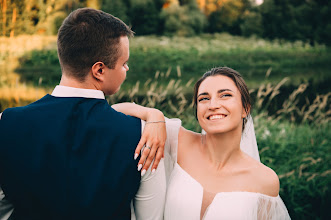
[[245, 112]]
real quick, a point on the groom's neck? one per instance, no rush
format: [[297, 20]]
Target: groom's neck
[[72, 82]]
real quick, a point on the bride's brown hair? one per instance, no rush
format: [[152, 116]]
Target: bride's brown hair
[[238, 81]]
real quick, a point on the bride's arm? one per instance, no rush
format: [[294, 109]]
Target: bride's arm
[[153, 136], [144, 113], [148, 203]]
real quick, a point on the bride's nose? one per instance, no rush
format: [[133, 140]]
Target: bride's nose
[[214, 104]]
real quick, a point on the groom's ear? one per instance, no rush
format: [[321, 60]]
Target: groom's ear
[[98, 70]]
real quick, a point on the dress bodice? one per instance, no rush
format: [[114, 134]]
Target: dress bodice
[[184, 200]]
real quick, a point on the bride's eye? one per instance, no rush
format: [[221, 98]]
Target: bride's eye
[[226, 95], [202, 99]]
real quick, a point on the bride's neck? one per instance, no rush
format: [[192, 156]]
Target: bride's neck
[[221, 148]]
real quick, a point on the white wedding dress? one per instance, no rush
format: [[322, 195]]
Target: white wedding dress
[[184, 193]]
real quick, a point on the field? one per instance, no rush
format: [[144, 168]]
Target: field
[[252, 57], [289, 83]]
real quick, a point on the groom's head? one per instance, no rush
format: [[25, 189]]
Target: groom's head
[[91, 43]]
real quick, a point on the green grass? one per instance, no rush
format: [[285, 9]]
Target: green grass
[[252, 57], [301, 156]]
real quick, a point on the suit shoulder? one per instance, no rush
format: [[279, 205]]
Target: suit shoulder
[[126, 121]]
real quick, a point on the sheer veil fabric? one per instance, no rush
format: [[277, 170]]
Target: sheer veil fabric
[[248, 140]]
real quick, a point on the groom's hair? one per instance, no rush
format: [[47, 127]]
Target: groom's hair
[[87, 36], [238, 81]]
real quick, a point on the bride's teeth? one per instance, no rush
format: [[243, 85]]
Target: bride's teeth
[[216, 117]]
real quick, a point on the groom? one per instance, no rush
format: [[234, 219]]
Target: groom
[[69, 155]]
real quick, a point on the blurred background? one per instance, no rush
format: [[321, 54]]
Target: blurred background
[[281, 47]]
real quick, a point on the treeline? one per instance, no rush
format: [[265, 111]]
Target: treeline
[[305, 20]]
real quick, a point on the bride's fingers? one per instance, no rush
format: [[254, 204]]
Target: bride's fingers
[[144, 155], [158, 157], [149, 159], [140, 146]]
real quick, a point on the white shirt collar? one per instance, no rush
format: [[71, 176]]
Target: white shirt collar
[[66, 91]]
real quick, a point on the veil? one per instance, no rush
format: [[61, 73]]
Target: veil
[[248, 142]]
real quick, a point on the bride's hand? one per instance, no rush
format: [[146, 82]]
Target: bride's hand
[[153, 137], [152, 141]]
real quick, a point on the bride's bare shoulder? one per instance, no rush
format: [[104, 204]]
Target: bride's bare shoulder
[[186, 137], [266, 180], [187, 142]]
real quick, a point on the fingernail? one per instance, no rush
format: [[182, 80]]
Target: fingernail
[[153, 171], [135, 156], [139, 167], [143, 172]]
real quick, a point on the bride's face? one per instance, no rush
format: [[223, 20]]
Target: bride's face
[[219, 105]]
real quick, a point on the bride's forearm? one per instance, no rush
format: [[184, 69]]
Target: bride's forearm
[[144, 113]]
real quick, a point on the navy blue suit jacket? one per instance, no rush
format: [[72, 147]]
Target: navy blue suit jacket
[[68, 158]]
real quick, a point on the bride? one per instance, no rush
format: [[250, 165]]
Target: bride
[[209, 176]]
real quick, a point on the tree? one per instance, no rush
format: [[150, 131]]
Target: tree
[[184, 20], [4, 16], [227, 17], [297, 20], [117, 8], [251, 24], [145, 16]]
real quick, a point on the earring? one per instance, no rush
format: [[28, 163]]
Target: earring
[[203, 136]]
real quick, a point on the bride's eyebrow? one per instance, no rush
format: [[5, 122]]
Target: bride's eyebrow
[[204, 93], [224, 90]]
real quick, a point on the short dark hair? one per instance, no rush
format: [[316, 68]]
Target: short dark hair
[[87, 36], [238, 81]]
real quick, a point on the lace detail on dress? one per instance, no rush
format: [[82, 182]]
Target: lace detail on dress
[[271, 208]]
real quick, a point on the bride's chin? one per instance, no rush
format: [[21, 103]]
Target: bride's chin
[[222, 131], [215, 131]]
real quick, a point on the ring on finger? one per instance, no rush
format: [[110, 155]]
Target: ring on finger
[[148, 147]]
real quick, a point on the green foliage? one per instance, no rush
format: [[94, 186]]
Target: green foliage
[[57, 22], [252, 24], [145, 17], [117, 8], [184, 20], [227, 17], [41, 65], [307, 21], [297, 20], [36, 16], [300, 154]]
